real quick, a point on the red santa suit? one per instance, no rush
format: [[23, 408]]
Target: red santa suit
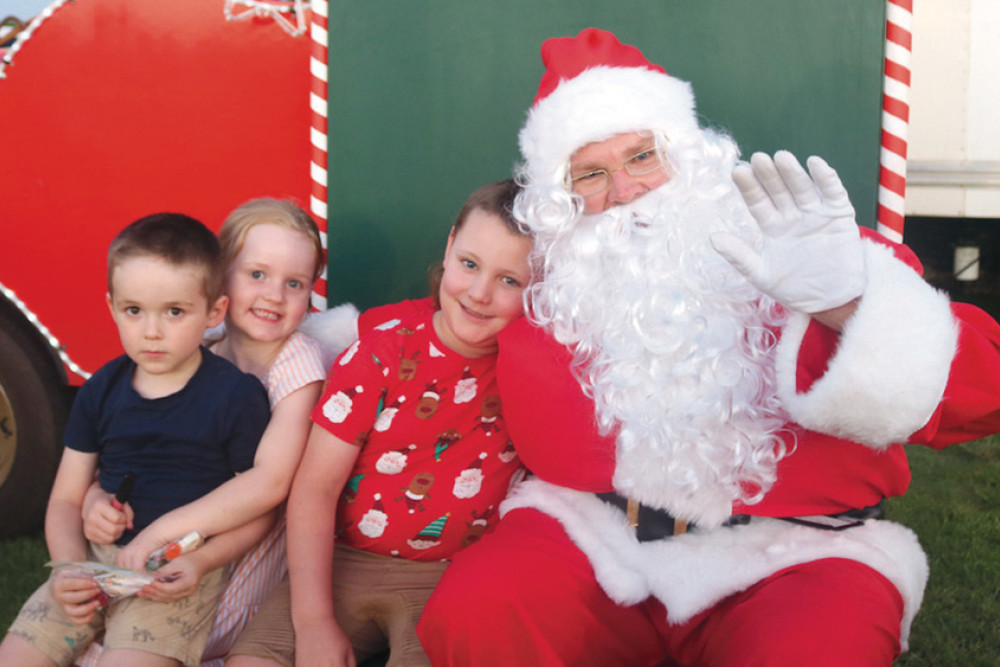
[[858, 462], [565, 581]]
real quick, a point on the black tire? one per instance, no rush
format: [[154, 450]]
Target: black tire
[[34, 404]]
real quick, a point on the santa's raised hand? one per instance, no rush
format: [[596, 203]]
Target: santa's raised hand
[[811, 259]]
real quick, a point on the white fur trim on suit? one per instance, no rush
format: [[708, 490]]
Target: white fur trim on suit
[[692, 572], [334, 329], [892, 364], [595, 105]]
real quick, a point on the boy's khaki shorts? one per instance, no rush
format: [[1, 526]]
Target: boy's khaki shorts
[[377, 601], [177, 630]]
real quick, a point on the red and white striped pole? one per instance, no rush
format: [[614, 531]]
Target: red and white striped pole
[[318, 134], [895, 118]]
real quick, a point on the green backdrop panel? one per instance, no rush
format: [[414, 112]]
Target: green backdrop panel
[[427, 96]]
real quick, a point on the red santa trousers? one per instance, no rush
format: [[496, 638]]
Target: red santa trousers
[[525, 595]]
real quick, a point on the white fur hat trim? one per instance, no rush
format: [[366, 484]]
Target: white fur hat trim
[[598, 104]]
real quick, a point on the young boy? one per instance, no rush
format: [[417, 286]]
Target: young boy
[[183, 421]]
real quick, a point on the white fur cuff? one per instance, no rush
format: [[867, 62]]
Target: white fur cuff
[[891, 368]]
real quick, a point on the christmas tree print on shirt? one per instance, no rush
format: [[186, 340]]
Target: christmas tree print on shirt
[[350, 492], [431, 535]]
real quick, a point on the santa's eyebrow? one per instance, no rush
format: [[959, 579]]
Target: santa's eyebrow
[[643, 145], [586, 168]]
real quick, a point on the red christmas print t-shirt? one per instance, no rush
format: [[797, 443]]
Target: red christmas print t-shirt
[[435, 458]]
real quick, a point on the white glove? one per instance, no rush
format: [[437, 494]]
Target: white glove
[[812, 258]]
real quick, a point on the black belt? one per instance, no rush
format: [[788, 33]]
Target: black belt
[[655, 524], [649, 523]]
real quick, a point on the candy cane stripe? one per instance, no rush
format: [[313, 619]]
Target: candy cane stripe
[[318, 68], [895, 118]]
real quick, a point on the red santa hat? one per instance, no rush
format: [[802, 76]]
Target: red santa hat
[[352, 392], [433, 390], [595, 87], [477, 463]]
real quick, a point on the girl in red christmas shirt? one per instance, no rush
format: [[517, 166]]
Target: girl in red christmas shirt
[[407, 460]]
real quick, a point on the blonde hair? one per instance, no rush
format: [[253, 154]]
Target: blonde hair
[[268, 211]]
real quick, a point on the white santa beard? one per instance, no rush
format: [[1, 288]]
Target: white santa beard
[[674, 345]]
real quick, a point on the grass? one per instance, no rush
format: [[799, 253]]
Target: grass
[[22, 570], [953, 505]]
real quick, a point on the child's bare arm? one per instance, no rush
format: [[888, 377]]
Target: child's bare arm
[[64, 534], [180, 577], [248, 495], [312, 510], [64, 515]]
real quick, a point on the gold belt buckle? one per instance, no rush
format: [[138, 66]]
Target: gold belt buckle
[[632, 513]]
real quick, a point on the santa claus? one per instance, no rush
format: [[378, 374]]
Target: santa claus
[[712, 393]]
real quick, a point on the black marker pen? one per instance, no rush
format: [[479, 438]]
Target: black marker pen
[[124, 491]]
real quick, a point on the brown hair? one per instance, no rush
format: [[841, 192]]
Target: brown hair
[[495, 198], [175, 238], [268, 211]]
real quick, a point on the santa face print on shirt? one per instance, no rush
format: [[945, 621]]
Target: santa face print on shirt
[[470, 481], [337, 408]]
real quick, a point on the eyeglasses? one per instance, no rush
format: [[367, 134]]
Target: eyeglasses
[[643, 163]]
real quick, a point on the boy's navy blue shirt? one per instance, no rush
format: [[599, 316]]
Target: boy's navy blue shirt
[[180, 446]]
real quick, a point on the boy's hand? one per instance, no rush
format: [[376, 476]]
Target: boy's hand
[[102, 522], [133, 555], [79, 595], [176, 580]]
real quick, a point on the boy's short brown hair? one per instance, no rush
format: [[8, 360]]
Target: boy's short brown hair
[[175, 238]]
